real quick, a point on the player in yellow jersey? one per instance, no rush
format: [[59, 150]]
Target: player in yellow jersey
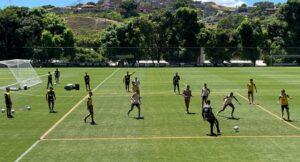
[[50, 97], [8, 102], [251, 86], [284, 102], [90, 108]]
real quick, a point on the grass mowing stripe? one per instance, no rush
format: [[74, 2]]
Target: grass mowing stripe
[[62, 118], [75, 106], [269, 112], [161, 138], [28, 150]]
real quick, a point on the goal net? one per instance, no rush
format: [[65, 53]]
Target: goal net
[[23, 72]]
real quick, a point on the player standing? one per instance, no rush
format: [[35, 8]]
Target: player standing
[[176, 79], [251, 86], [135, 101], [8, 103], [209, 116], [90, 108], [205, 93], [49, 83], [126, 80], [87, 82], [57, 75], [50, 97], [228, 102], [284, 101], [187, 94]]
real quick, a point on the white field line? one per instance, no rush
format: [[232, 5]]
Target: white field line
[[28, 150], [269, 112], [75, 106], [63, 117], [166, 137]]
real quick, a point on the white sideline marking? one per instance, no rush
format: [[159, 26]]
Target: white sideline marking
[[166, 137], [269, 112], [75, 106], [28, 150], [62, 118]]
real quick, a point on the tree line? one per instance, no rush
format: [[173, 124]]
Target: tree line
[[173, 35]]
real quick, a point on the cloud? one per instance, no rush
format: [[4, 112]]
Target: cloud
[[228, 3]]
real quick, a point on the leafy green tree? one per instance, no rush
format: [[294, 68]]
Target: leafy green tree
[[230, 22], [260, 7], [129, 8], [251, 37], [243, 8]]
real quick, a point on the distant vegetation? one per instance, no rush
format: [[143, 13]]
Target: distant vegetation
[[174, 34]]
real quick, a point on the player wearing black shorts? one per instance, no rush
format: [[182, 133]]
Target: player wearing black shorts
[[90, 108], [176, 79], [209, 116], [57, 75], [50, 97], [205, 93], [126, 80], [228, 102], [8, 102], [87, 82], [49, 83], [284, 102]]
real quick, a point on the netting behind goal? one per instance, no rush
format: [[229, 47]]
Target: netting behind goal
[[23, 72]]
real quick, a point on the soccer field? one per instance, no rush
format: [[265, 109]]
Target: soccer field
[[166, 133]]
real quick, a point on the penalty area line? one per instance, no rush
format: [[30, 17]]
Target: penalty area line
[[42, 138], [75, 106], [271, 113], [162, 138]]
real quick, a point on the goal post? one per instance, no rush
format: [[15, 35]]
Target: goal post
[[23, 72]]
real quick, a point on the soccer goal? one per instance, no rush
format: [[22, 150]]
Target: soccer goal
[[23, 72]]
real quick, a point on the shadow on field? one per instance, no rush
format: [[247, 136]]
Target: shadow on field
[[230, 118]]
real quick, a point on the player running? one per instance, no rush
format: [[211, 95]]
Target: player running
[[176, 79], [57, 75], [187, 94], [209, 116], [8, 103], [135, 101], [284, 101], [87, 82], [251, 86], [205, 93], [228, 102], [126, 80], [90, 108], [49, 83], [50, 97]]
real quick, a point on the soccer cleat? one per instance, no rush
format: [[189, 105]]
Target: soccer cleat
[[93, 123]]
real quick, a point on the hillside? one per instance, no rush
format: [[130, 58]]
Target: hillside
[[81, 25]]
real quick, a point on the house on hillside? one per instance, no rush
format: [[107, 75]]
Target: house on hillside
[[270, 11], [86, 9]]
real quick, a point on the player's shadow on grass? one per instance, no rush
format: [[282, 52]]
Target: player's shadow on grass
[[191, 113], [230, 118], [139, 118]]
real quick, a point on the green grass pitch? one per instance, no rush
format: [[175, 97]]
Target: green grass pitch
[[166, 133]]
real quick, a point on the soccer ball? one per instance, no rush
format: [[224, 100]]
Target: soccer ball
[[28, 108], [12, 111], [236, 128], [2, 110]]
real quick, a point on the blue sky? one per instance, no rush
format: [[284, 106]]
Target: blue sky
[[35, 3]]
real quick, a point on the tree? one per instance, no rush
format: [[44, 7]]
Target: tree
[[230, 22], [128, 8], [91, 3], [243, 8], [251, 37], [260, 7]]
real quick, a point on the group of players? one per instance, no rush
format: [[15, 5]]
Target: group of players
[[207, 112]]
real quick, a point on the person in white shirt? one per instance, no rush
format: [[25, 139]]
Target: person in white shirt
[[205, 93], [228, 102], [135, 101]]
